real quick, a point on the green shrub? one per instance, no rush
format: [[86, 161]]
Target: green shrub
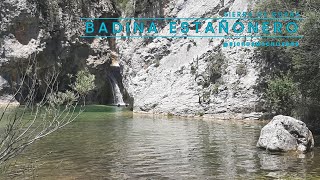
[[200, 114], [302, 61], [216, 67], [241, 70], [122, 3], [282, 95], [215, 89], [170, 115], [84, 82]]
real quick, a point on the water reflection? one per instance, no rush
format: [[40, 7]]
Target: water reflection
[[119, 146]]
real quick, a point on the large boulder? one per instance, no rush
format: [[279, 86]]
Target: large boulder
[[285, 133]]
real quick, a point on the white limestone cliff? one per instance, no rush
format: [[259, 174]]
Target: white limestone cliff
[[172, 75]]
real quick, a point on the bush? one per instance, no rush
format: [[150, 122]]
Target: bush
[[122, 3], [303, 62], [282, 95], [84, 82], [200, 114], [241, 70], [216, 66], [215, 89], [306, 57]]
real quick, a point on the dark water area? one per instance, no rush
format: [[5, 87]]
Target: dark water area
[[111, 143]]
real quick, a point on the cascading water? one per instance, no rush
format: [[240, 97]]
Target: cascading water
[[117, 96]]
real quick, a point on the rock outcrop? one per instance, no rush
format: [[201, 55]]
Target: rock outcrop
[[6, 98], [192, 77], [51, 29], [285, 133], [187, 77]]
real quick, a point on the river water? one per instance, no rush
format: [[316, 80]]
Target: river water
[[111, 143]]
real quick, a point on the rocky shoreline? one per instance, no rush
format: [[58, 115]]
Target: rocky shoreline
[[222, 116]]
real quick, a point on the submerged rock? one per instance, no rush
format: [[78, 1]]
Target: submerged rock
[[285, 133]]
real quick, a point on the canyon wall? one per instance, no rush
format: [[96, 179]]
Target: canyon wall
[[49, 31], [192, 76], [173, 76]]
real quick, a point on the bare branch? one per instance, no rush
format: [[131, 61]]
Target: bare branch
[[39, 118]]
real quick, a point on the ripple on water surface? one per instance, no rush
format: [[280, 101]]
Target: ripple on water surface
[[115, 145]]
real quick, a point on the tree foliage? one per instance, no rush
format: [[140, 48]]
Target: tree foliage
[[84, 82], [302, 62], [282, 94]]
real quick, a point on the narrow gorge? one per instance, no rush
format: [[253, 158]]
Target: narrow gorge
[[232, 97], [186, 77]]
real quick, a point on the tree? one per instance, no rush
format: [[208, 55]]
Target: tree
[[282, 94], [306, 58], [302, 63], [39, 117]]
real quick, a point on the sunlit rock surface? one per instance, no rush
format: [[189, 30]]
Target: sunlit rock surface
[[187, 77], [192, 77], [285, 133]]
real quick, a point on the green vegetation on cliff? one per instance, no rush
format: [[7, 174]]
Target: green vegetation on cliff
[[293, 73]]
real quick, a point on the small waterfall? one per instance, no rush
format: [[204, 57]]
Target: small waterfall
[[117, 96]]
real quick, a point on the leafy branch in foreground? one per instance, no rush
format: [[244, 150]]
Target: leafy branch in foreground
[[39, 117]]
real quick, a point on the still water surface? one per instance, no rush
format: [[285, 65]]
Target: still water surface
[[110, 143]]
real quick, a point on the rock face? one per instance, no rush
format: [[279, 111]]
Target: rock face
[[52, 29], [6, 98], [196, 77], [285, 133], [191, 77]]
